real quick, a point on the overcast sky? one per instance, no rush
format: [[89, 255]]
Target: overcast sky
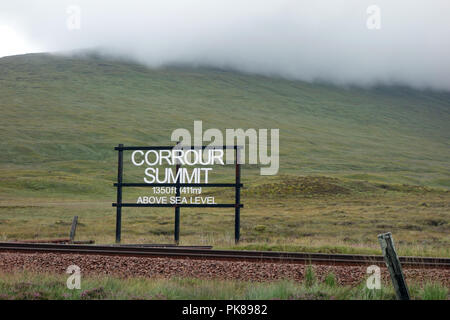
[[307, 40]]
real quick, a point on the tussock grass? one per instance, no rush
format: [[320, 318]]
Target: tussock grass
[[434, 291], [32, 286], [310, 276], [330, 280]]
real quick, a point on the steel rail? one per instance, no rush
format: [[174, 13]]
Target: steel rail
[[237, 255]]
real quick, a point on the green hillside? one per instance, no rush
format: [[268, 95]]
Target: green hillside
[[345, 155], [61, 118]]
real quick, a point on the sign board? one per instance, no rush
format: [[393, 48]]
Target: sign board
[[190, 168]]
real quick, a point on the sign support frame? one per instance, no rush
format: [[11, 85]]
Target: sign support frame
[[237, 205]]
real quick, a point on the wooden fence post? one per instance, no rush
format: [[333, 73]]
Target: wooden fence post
[[74, 228], [394, 266]]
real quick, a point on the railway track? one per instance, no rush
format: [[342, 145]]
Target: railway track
[[207, 253]]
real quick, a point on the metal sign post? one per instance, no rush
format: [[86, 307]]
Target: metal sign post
[[119, 193], [177, 209], [237, 197]]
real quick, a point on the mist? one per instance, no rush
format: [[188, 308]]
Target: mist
[[303, 40]]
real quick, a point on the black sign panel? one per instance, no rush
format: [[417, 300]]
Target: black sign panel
[[179, 181]]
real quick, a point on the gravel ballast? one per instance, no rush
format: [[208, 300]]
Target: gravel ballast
[[152, 267]]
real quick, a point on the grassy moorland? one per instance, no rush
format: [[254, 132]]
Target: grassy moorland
[[347, 221], [353, 162]]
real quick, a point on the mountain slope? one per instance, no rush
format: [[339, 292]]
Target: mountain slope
[[62, 116]]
